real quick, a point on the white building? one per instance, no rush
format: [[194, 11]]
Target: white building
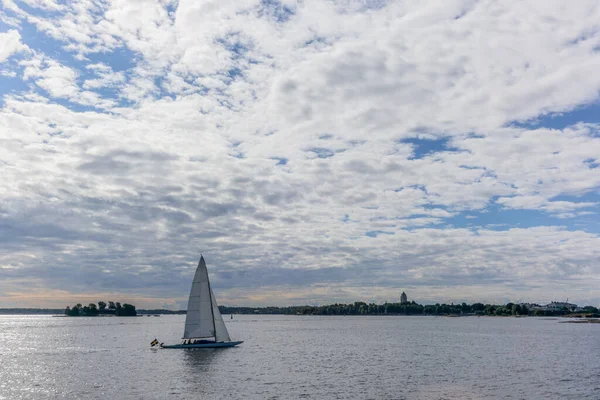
[[560, 306]]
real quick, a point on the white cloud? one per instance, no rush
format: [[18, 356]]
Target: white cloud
[[539, 164], [106, 77], [10, 43], [272, 139], [14, 22], [47, 5], [8, 74], [60, 82], [562, 209]]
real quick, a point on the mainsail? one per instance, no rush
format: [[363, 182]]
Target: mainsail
[[203, 318]]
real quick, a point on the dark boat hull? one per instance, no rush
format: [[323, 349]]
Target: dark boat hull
[[202, 345]]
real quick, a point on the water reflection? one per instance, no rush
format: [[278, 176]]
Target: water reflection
[[201, 370], [201, 360]]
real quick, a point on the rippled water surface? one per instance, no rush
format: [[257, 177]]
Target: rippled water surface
[[292, 357]]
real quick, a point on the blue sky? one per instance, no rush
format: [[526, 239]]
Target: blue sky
[[325, 152]]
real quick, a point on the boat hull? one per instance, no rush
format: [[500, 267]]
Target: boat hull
[[202, 345]]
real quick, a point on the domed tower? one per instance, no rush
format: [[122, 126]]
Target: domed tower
[[403, 298]]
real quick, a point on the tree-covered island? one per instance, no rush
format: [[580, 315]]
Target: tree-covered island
[[91, 310]]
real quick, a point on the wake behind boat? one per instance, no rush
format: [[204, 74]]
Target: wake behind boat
[[204, 326]]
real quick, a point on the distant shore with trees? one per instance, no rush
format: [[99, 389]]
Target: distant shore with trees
[[61, 311], [356, 308], [411, 308]]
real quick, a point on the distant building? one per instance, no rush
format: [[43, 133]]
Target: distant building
[[560, 306], [403, 298], [553, 306]]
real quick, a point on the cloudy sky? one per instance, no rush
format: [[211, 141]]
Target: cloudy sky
[[313, 151]]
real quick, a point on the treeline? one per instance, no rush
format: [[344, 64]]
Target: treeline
[[161, 311], [411, 308], [356, 308], [30, 311], [91, 310]]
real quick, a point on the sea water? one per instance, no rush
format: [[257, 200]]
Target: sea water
[[301, 357]]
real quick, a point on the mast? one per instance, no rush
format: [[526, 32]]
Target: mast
[[211, 300]]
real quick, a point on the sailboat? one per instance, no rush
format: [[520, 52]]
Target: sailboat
[[204, 326]]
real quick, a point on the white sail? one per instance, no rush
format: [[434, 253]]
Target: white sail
[[221, 330], [199, 321]]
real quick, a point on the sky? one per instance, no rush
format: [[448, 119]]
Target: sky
[[313, 151]]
